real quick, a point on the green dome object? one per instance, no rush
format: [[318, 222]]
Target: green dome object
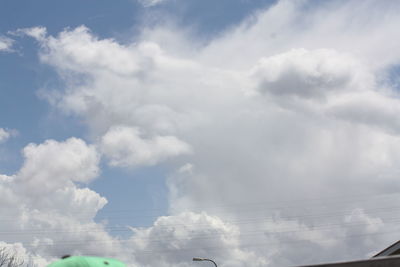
[[81, 261]]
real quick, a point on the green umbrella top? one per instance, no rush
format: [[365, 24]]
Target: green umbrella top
[[83, 261]]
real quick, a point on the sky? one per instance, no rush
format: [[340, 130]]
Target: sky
[[252, 132]]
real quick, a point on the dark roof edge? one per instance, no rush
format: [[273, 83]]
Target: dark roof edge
[[377, 262], [387, 251]]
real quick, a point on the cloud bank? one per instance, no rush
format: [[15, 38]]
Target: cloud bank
[[283, 133]]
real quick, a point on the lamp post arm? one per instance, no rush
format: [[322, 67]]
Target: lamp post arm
[[203, 259], [212, 262]]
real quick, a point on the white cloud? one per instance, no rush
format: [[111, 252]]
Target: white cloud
[[332, 25], [6, 44], [280, 110], [125, 146], [71, 161], [39, 33], [173, 240], [45, 213]]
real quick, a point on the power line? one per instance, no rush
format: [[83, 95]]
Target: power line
[[287, 230], [261, 219], [263, 205], [246, 245]]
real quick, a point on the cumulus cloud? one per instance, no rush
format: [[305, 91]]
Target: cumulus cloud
[[126, 147], [71, 161], [44, 212], [306, 74], [171, 238], [285, 108]]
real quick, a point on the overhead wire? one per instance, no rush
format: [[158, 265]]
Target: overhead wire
[[258, 219], [238, 245], [217, 234], [264, 205], [332, 215]]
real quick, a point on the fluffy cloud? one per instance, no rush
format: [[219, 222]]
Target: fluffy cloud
[[71, 161], [43, 209], [129, 70], [125, 147], [307, 74], [171, 239], [285, 110], [38, 33]]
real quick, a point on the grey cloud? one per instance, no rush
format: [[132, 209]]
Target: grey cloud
[[305, 74], [369, 108]]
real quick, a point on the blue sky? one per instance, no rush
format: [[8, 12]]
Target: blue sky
[[157, 131]]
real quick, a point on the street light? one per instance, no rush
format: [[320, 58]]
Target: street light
[[202, 259]]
